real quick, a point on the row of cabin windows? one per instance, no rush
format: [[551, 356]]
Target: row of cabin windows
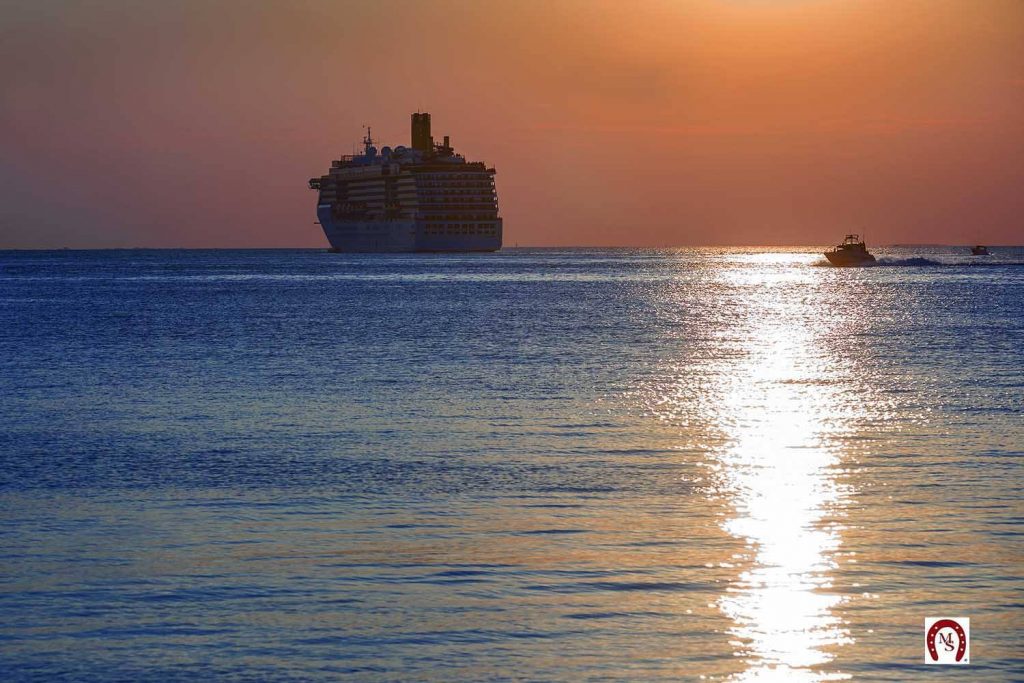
[[484, 184], [479, 192], [461, 229], [439, 205], [463, 216]]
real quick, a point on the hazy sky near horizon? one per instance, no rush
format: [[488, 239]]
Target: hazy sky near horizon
[[198, 124]]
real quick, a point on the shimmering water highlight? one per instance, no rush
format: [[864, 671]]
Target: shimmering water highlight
[[536, 464]]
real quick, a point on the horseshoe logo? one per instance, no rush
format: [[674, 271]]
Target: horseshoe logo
[[933, 633]]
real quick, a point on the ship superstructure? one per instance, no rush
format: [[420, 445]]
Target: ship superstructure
[[419, 198]]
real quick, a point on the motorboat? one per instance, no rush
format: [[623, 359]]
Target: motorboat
[[980, 250], [851, 252]]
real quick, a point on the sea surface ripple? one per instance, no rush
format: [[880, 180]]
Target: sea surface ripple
[[558, 464]]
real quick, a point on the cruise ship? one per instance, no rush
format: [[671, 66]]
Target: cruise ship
[[424, 197]]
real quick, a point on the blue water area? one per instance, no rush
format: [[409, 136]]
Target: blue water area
[[560, 464]]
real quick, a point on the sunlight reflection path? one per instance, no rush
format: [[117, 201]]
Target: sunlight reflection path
[[781, 412]]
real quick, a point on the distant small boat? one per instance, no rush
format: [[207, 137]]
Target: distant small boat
[[851, 252], [980, 250]]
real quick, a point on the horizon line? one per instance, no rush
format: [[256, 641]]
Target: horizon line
[[504, 248]]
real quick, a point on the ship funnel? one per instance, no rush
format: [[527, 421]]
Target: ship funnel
[[421, 138]]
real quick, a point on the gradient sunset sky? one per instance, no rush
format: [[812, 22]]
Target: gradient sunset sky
[[198, 124]]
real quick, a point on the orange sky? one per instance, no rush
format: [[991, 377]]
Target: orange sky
[[656, 123]]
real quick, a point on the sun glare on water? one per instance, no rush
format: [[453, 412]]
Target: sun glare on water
[[778, 469]]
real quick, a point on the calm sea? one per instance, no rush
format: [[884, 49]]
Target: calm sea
[[709, 464]]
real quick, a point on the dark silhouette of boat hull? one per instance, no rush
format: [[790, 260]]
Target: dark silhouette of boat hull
[[840, 258]]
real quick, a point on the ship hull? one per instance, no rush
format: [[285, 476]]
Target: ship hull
[[838, 258], [399, 236]]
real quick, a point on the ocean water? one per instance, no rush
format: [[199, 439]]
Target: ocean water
[[708, 464]]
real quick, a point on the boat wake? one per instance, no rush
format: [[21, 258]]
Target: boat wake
[[921, 262], [914, 261]]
